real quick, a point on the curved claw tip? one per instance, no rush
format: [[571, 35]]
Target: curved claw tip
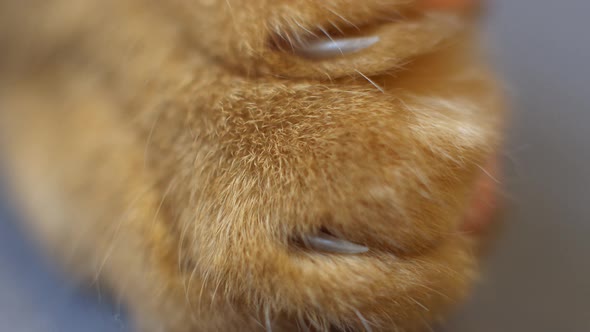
[[322, 49], [328, 243]]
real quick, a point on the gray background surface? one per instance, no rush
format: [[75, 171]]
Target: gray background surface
[[538, 276]]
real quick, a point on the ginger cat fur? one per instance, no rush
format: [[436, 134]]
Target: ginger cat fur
[[194, 155]]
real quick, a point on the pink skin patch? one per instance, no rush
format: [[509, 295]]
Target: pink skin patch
[[480, 214]]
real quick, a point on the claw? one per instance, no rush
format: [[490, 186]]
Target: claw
[[328, 243], [333, 47]]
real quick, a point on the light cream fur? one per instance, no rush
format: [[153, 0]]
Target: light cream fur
[[177, 150]]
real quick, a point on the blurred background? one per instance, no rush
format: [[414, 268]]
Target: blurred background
[[537, 278]]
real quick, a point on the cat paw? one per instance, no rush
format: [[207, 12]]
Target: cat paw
[[347, 141], [318, 39]]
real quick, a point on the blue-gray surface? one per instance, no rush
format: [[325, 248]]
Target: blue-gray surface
[[538, 278], [34, 298]]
